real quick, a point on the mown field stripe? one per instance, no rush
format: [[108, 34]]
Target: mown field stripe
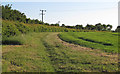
[[95, 40]]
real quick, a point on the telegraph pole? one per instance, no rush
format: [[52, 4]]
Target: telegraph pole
[[42, 14]]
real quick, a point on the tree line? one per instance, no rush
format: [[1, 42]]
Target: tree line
[[14, 15], [99, 27]]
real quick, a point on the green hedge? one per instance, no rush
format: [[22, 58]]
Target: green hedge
[[8, 29], [11, 28]]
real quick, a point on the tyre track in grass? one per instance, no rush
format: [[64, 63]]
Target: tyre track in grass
[[51, 48], [95, 52], [52, 43], [31, 56]]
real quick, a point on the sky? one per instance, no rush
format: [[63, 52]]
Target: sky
[[59, 0], [71, 13]]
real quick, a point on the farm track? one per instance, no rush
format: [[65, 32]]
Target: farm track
[[54, 37], [49, 48], [54, 41]]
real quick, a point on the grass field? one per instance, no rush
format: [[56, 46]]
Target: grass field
[[45, 52], [107, 41]]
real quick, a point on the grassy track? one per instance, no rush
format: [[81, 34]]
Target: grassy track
[[98, 40], [30, 57], [45, 52]]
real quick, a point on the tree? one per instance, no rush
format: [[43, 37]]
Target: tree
[[89, 27], [52, 25], [56, 24], [70, 27], [79, 27], [32, 21], [98, 26], [15, 15], [36, 21], [28, 20], [63, 25], [109, 27], [47, 24], [104, 27], [117, 29]]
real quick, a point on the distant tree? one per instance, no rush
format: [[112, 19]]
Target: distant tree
[[92, 27], [15, 15], [36, 21], [52, 24], [88, 27], [98, 26], [63, 25], [79, 27], [31, 21], [117, 29], [109, 27], [70, 27], [6, 11], [28, 20], [56, 24], [46, 24], [104, 27]]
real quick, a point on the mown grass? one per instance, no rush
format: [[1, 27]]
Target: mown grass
[[43, 52], [107, 41], [30, 56], [65, 59]]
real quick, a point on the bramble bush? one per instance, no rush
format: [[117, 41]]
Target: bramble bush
[[10, 28], [22, 28]]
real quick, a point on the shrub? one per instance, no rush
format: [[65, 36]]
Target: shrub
[[8, 29], [22, 28]]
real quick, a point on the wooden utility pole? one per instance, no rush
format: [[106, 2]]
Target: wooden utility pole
[[42, 14]]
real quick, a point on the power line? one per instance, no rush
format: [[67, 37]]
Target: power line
[[42, 14]]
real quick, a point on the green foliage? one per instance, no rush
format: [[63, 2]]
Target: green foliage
[[109, 27], [46, 24], [106, 41], [79, 27], [99, 27], [90, 27], [22, 28], [9, 14], [14, 15], [9, 29], [117, 29], [54, 24]]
